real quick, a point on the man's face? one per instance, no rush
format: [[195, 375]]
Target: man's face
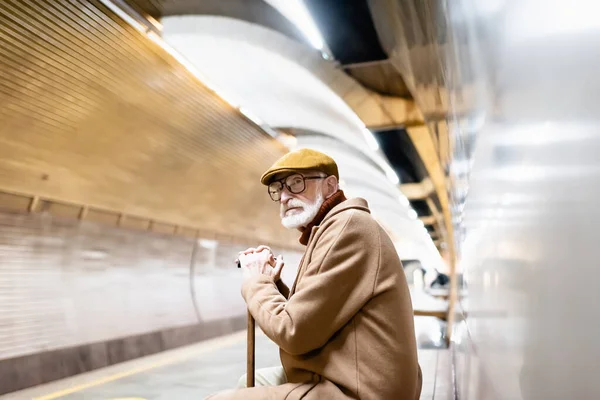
[[299, 209]]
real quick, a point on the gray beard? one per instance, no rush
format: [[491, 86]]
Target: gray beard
[[308, 213]]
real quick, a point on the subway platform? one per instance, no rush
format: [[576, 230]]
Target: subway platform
[[195, 371]]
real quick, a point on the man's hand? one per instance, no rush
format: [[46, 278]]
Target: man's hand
[[260, 261]]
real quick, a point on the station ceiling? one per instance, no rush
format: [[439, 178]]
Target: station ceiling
[[361, 35], [101, 122]]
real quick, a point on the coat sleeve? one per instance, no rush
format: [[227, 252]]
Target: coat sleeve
[[283, 288], [336, 283]]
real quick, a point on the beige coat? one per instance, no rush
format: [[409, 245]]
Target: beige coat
[[346, 331]]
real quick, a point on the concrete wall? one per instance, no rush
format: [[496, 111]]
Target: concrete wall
[[77, 295]]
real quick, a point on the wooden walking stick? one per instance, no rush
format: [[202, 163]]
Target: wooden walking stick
[[250, 352], [250, 346]]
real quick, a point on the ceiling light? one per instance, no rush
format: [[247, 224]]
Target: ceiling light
[[184, 62], [403, 200], [251, 116], [391, 175], [154, 22], [288, 141], [371, 141], [297, 13], [123, 15]]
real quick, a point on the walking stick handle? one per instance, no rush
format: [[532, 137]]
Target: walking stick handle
[[250, 360]]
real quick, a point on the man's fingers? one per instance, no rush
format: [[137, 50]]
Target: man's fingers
[[248, 251], [278, 265], [258, 249], [277, 270], [262, 247]]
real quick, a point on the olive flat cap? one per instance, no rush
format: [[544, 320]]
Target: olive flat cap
[[301, 160]]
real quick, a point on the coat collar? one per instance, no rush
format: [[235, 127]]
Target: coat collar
[[355, 203]]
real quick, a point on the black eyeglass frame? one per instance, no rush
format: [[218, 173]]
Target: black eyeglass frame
[[283, 184]]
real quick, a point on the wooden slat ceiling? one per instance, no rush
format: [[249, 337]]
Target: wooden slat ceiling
[[93, 112]]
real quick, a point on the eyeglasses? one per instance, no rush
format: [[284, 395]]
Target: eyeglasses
[[294, 183]]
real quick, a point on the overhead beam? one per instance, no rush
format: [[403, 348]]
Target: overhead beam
[[417, 191], [403, 112], [366, 64], [444, 148], [383, 112], [426, 149], [439, 218], [375, 111], [428, 220]]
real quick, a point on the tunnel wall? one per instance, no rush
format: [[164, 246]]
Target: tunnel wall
[[116, 163], [80, 295]]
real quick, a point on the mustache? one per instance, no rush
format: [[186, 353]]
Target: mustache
[[292, 203]]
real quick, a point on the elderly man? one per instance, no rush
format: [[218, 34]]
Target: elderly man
[[345, 328]]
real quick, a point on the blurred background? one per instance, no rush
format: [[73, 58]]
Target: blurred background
[[133, 134]]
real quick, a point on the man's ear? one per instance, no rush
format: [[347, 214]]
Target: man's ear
[[332, 185]]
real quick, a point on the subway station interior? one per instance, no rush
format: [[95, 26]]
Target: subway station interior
[[134, 133]]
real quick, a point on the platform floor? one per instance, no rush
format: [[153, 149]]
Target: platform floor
[[195, 371]]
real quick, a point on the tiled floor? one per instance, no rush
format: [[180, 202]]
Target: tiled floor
[[195, 371], [437, 382]]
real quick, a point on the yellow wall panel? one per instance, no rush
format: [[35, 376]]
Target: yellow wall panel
[[94, 113]]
